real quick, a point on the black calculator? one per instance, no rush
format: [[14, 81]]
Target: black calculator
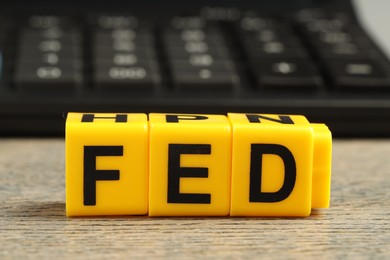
[[309, 57]]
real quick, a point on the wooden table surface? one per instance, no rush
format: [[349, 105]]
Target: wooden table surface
[[33, 222]]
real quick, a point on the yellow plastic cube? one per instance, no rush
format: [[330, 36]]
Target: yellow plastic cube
[[106, 164], [272, 165], [190, 165]]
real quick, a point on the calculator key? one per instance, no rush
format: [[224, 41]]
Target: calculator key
[[129, 78], [105, 53], [198, 47], [330, 39], [181, 52], [267, 35], [254, 23], [107, 38], [347, 51], [50, 21], [64, 65], [315, 21], [113, 21], [49, 58], [287, 74], [122, 47], [275, 52], [272, 47], [66, 37], [202, 62], [188, 22], [334, 37], [122, 59], [179, 40], [288, 41], [206, 80], [47, 78], [128, 59], [360, 74], [195, 34], [103, 65], [57, 47]]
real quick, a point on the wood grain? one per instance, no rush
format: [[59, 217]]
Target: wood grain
[[33, 222]]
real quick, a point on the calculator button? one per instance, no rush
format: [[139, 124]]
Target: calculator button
[[107, 53], [347, 51], [66, 37], [181, 52], [202, 62], [50, 21], [359, 74], [288, 74], [110, 38], [206, 80], [47, 78], [275, 52], [126, 78], [63, 53], [179, 39], [112, 21], [122, 59]]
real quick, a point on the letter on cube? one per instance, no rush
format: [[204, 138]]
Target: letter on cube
[[273, 165], [106, 164], [190, 157]]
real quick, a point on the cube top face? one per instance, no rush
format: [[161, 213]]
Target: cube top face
[[110, 120], [272, 165], [190, 163], [106, 164], [106, 118], [268, 120], [192, 120]]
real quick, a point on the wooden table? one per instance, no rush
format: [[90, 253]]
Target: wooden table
[[33, 222]]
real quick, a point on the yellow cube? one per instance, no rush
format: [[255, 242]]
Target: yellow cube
[[190, 165], [106, 164], [272, 164]]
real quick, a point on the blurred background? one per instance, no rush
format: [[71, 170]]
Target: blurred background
[[325, 59]]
